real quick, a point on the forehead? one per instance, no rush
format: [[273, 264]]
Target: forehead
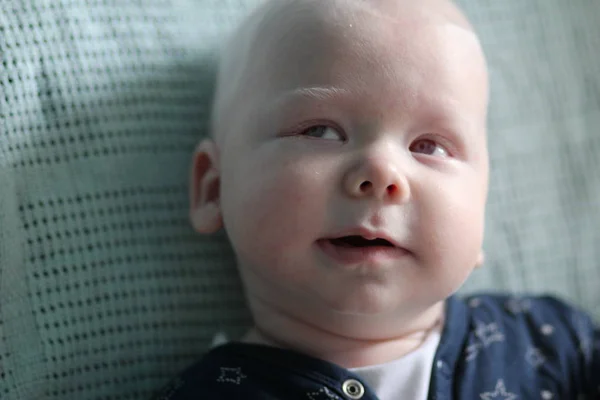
[[303, 41], [367, 56]]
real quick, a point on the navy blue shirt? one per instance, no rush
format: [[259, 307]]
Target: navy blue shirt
[[492, 347]]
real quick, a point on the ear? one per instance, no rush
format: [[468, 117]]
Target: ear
[[480, 259], [205, 207]]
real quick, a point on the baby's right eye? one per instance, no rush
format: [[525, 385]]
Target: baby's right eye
[[323, 132]]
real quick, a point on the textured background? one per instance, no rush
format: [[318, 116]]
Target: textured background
[[105, 291]]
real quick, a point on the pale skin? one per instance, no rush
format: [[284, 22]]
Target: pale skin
[[364, 118]]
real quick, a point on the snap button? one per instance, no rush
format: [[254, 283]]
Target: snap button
[[353, 389]]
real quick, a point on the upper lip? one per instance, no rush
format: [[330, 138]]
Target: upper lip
[[367, 234]]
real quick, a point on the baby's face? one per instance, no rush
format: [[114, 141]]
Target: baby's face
[[366, 127]]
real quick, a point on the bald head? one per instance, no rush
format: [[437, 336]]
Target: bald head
[[252, 56], [338, 112]]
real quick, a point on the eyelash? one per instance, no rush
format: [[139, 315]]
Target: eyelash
[[304, 131], [438, 142], [442, 143]]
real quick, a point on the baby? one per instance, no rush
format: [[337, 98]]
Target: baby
[[349, 168]]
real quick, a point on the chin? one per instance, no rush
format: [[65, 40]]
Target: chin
[[367, 304]]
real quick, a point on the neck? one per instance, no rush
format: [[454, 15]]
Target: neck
[[341, 347]]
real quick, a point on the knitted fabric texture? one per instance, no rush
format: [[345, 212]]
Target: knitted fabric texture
[[105, 290]]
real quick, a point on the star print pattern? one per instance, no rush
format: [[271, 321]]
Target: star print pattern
[[517, 305], [489, 334], [535, 357], [322, 394], [231, 375], [547, 395], [547, 329], [472, 351], [474, 302], [503, 358], [486, 334], [499, 393]]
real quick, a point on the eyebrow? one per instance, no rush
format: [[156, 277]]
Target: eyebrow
[[320, 93]]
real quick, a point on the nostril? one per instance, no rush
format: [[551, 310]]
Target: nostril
[[392, 189], [365, 186]]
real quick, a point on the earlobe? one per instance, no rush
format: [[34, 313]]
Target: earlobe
[[206, 219], [205, 207]]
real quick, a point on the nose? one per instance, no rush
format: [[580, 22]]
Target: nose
[[377, 178]]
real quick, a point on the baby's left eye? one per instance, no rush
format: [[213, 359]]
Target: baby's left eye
[[429, 147], [323, 132]]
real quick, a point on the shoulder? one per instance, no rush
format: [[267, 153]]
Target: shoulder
[[543, 315], [540, 340], [217, 375], [251, 371]]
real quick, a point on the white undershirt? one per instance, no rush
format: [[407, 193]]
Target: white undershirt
[[405, 378]]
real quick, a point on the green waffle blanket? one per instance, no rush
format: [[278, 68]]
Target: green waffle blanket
[[105, 290]]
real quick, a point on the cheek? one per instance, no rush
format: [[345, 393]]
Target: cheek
[[455, 224], [272, 205]]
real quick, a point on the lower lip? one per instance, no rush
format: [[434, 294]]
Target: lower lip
[[357, 255]]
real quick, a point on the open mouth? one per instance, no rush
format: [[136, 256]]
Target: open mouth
[[356, 249], [359, 241]]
